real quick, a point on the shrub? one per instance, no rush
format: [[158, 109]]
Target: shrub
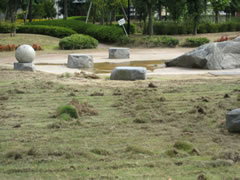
[[163, 41], [184, 146], [168, 41], [223, 27], [78, 41], [67, 109], [55, 31], [100, 32], [133, 27], [195, 42], [7, 27]]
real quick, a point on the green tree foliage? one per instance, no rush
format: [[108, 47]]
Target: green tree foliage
[[219, 5], [49, 9], [195, 8], [234, 7], [176, 8]]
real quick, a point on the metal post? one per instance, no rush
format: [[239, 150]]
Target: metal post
[[128, 16], [88, 13]]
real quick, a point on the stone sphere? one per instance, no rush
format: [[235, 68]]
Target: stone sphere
[[25, 54]]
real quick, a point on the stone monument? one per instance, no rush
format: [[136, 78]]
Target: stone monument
[[80, 61], [119, 53], [129, 73], [25, 55]]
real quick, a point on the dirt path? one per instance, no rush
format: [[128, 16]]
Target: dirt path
[[54, 61]]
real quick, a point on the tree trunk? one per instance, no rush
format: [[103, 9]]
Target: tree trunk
[[27, 10], [30, 11], [195, 26], [102, 17], [110, 17], [216, 17], [196, 18], [205, 6], [160, 12], [65, 15], [94, 14], [166, 13], [150, 24]]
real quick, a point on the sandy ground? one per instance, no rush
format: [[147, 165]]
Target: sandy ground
[[53, 62]]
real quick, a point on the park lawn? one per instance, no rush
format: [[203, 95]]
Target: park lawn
[[175, 130], [47, 43]]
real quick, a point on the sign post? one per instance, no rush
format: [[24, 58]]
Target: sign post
[[121, 22]]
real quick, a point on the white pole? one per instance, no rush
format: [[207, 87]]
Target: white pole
[[124, 12], [88, 13], [125, 30]]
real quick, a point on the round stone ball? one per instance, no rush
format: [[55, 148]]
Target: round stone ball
[[25, 54]]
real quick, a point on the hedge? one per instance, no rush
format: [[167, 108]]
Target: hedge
[[55, 31], [6, 27], [195, 42], [100, 32], [78, 41], [172, 28]]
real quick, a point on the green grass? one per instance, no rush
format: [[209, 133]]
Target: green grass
[[35, 144], [46, 42]]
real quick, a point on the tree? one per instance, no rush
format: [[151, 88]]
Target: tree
[[219, 5], [150, 4], [108, 8], [234, 7], [176, 8], [195, 9], [141, 9], [65, 7], [49, 9]]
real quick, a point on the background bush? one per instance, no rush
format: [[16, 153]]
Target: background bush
[[162, 41], [55, 31], [6, 27], [100, 32], [78, 41], [195, 42], [173, 28], [133, 27]]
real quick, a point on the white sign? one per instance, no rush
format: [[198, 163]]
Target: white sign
[[121, 22]]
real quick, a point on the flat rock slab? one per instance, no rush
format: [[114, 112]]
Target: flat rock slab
[[129, 73], [80, 61], [24, 67], [119, 53], [233, 120]]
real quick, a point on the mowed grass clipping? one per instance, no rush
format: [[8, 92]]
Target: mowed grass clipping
[[174, 129]]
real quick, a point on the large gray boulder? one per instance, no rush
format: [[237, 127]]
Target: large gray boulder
[[129, 73], [233, 120], [80, 61], [213, 56]]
